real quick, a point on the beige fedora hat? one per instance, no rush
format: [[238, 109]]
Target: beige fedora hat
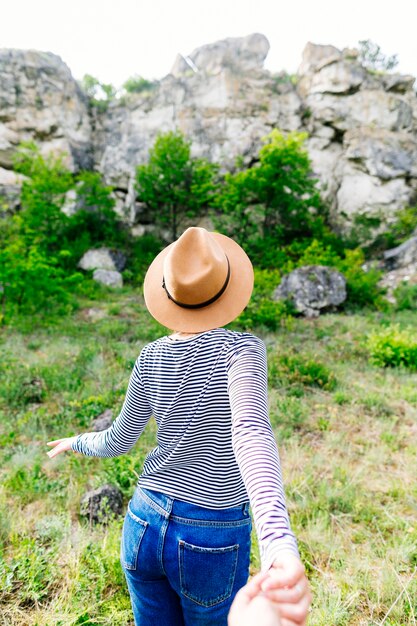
[[201, 281]]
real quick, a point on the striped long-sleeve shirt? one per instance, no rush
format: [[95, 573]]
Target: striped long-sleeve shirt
[[215, 445]]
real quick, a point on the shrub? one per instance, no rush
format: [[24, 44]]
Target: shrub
[[32, 282], [99, 94], [393, 347], [262, 311], [298, 369], [406, 297], [137, 84], [372, 57]]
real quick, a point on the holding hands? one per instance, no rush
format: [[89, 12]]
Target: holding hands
[[279, 597]]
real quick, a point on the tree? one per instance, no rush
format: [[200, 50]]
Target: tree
[[276, 198], [173, 185], [371, 56]]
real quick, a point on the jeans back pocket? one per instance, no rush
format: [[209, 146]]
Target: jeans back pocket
[[207, 574], [132, 534]]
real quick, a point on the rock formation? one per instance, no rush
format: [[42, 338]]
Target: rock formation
[[362, 125], [312, 289]]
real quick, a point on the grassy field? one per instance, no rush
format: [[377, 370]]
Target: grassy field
[[347, 434]]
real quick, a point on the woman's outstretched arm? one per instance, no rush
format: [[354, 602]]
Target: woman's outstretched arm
[[120, 437]]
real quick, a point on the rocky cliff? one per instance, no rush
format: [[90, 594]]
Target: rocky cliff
[[362, 125]]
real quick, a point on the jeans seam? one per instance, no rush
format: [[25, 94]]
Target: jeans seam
[[209, 523], [159, 509]]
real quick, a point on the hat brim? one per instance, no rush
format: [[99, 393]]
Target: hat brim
[[224, 310]]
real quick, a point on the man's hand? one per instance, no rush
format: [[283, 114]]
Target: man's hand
[[288, 587], [251, 607]]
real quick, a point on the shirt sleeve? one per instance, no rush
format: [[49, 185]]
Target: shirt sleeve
[[126, 429], [256, 450]]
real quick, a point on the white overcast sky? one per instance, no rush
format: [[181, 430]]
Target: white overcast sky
[[115, 39]]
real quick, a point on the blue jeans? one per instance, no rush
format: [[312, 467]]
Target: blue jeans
[[183, 563]]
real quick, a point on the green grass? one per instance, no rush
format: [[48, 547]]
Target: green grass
[[346, 430]]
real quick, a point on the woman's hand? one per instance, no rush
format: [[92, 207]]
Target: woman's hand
[[60, 445], [251, 607], [288, 587]]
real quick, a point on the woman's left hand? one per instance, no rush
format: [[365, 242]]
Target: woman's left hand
[[60, 445], [288, 587]]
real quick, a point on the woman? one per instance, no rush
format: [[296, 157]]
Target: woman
[[186, 536]]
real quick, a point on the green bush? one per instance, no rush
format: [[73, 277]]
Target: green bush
[[406, 297], [262, 311], [301, 370], [393, 347], [137, 84], [32, 282]]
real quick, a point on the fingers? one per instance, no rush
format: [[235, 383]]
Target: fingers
[[284, 575], [290, 594], [56, 451], [59, 445], [251, 589], [296, 613]]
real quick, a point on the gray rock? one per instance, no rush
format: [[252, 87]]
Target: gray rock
[[40, 101], [238, 53], [312, 289], [403, 256], [382, 153], [108, 277], [101, 504], [399, 83], [104, 259], [102, 421]]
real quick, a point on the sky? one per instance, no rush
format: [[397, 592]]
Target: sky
[[115, 39]]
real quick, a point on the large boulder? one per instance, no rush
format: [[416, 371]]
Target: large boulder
[[108, 278], [237, 53], [99, 505], [312, 289], [102, 421], [103, 259]]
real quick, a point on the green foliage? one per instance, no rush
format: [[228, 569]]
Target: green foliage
[[262, 311], [276, 198], [393, 347], [41, 245], [95, 221], [138, 84], [142, 252], [99, 94], [173, 185], [32, 282], [406, 297], [372, 57], [374, 234], [43, 194], [404, 226], [300, 370]]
